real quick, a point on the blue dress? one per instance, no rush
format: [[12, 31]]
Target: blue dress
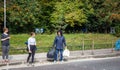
[[117, 45]]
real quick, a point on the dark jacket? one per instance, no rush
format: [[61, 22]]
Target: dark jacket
[[6, 42], [59, 42]]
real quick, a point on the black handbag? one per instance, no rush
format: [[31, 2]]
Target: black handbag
[[26, 48], [51, 53]]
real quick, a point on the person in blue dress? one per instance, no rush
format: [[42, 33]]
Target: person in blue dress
[[59, 43], [117, 45]]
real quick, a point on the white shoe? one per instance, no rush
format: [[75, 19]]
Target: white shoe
[[28, 64], [32, 65], [62, 61], [55, 61]]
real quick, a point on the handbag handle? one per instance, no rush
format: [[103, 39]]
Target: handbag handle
[[65, 47]]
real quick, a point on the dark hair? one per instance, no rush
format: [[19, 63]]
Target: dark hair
[[60, 32], [32, 33]]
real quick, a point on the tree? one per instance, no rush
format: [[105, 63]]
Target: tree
[[101, 21], [96, 15], [71, 13], [1, 15], [23, 15]]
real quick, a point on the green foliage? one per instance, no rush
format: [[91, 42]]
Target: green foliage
[[117, 29], [26, 15], [1, 15], [103, 18], [71, 13]]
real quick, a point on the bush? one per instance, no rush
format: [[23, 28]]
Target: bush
[[117, 30]]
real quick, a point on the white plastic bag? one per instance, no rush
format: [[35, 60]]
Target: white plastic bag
[[66, 53]]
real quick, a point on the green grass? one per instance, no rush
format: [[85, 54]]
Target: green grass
[[74, 41]]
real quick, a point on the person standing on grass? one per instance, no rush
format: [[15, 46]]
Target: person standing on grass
[[5, 44], [59, 43], [31, 47]]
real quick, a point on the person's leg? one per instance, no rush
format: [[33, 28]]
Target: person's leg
[[29, 55], [61, 54], [33, 54], [7, 52], [56, 54], [3, 52]]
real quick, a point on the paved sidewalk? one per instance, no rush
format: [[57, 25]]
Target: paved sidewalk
[[41, 57]]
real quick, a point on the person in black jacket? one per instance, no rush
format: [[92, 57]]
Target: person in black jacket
[[59, 43], [5, 44]]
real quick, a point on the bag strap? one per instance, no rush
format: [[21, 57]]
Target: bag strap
[[65, 47]]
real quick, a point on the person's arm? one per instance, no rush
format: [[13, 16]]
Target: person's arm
[[3, 39], [64, 41], [35, 41], [29, 45], [55, 40]]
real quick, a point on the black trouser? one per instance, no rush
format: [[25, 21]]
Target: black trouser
[[33, 49]]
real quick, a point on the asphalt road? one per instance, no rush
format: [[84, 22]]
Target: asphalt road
[[92, 64]]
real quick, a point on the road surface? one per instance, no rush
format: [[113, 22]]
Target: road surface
[[112, 63]]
